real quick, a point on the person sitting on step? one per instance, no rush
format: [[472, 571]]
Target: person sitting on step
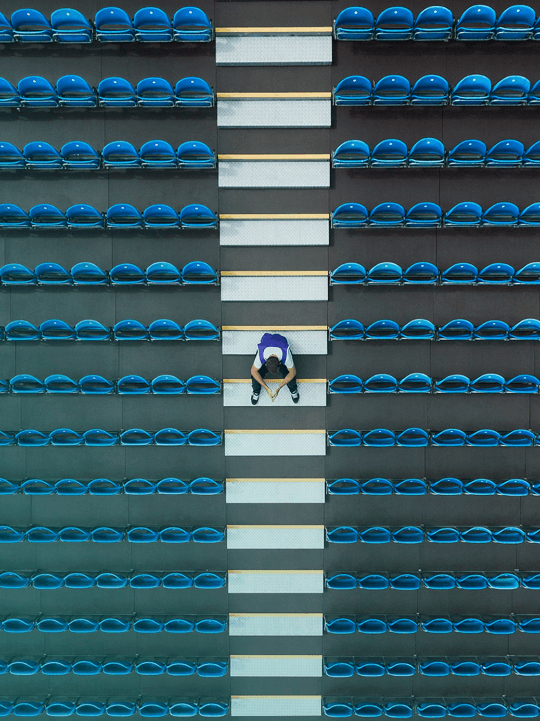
[[273, 356]]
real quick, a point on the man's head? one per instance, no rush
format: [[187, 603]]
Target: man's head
[[273, 364]]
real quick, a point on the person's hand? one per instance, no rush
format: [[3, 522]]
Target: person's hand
[[269, 393], [276, 393]]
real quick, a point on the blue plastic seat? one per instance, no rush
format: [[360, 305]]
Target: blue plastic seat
[[345, 437], [347, 330], [113, 25], [408, 535], [167, 385], [193, 92], [340, 625], [11, 216], [389, 153], [92, 330], [116, 92], [527, 329], [55, 329], [199, 273], [77, 155], [411, 487], [152, 709], [453, 384], [449, 437], [52, 274], [31, 26], [120, 709], [162, 274], [369, 709], [343, 534], [379, 438], [11, 157], [201, 330], [476, 23], [428, 152], [421, 273], [480, 487], [203, 437], [496, 274], [194, 154], [511, 90], [6, 30], [348, 274], [17, 274], [127, 274], [492, 330], [423, 215], [37, 92], [192, 25], [157, 154], [124, 216], [202, 385], [382, 329], [373, 581], [197, 216], [132, 385], [70, 26], [533, 98], [471, 90], [41, 156], [341, 487], [160, 216], [155, 92], [376, 487], [58, 383], [522, 384], [419, 329], [430, 90], [484, 438], [9, 95], [381, 383], [528, 275], [505, 154], [152, 25], [372, 626], [170, 437], [84, 216], [433, 23], [351, 154], [392, 90], [88, 274], [519, 437], [501, 214], [339, 669], [350, 215], [22, 330], [47, 217], [354, 23], [468, 153], [395, 23], [183, 709], [126, 330], [384, 273], [387, 215], [460, 274], [120, 154], [515, 23], [353, 90], [345, 384], [166, 330], [371, 668], [75, 92], [464, 214]]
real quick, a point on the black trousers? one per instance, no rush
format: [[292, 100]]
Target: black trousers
[[263, 370]]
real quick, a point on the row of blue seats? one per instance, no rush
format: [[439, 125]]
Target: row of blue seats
[[124, 330], [419, 534], [412, 581], [47, 580], [431, 153], [107, 534], [121, 215], [98, 385], [73, 91], [162, 273], [373, 625], [118, 708], [111, 24], [98, 437], [421, 383], [113, 667], [422, 329], [114, 624], [474, 89], [478, 22], [420, 487], [434, 707], [466, 214], [425, 273], [78, 155], [420, 438], [107, 487], [467, 666]]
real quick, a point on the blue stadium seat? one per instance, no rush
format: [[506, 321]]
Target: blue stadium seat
[[84, 216], [78, 155], [183, 708], [532, 157], [113, 25], [389, 153], [6, 30], [353, 90], [192, 25], [88, 274], [496, 273], [157, 154], [200, 330], [471, 90], [203, 437], [382, 329], [92, 330], [533, 98], [126, 330], [152, 25], [162, 274], [59, 383], [11, 157], [527, 329], [347, 330], [381, 383], [213, 708], [205, 487], [371, 668], [487, 383], [202, 385], [460, 274], [11, 216], [199, 273], [433, 23], [522, 384], [492, 330], [464, 214], [22, 330], [167, 385], [518, 437], [387, 215], [424, 215], [120, 154], [197, 216], [41, 156], [52, 274], [115, 92], [468, 153], [427, 152], [17, 274], [430, 90], [170, 437], [123, 215], [160, 216], [421, 273], [339, 669], [450, 437], [132, 385], [341, 487], [9, 95], [529, 216], [350, 215], [351, 154], [506, 154], [127, 274], [415, 383], [345, 437], [395, 23], [340, 625], [483, 438], [368, 709], [37, 92], [511, 90], [45, 217], [354, 23], [379, 438], [392, 90], [70, 26], [164, 329], [418, 329], [501, 214], [476, 23], [345, 384], [348, 274], [155, 92], [515, 23], [31, 26], [194, 154], [193, 92], [375, 487]]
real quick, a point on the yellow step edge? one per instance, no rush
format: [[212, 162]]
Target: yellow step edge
[[274, 327], [233, 96], [275, 480], [278, 156], [274, 432], [273, 526], [275, 655], [297, 696], [274, 216], [258, 570], [276, 380], [272, 273], [273, 30], [271, 615]]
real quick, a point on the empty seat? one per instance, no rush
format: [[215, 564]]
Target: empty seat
[[114, 25], [88, 274], [430, 90], [347, 274], [487, 383], [421, 273], [496, 274], [351, 154], [197, 216], [37, 92], [469, 153], [115, 92], [22, 330], [423, 215], [202, 385], [200, 330], [427, 152], [515, 23], [381, 383], [387, 215], [11, 157], [501, 214], [11, 216], [126, 330], [354, 23], [506, 154], [433, 23], [419, 329], [127, 274], [345, 384], [152, 25], [191, 24], [77, 155], [92, 330], [41, 156], [162, 274], [52, 274], [395, 23], [476, 23], [120, 154], [460, 274], [124, 216], [6, 30], [389, 153], [198, 273], [464, 214], [193, 92], [155, 92], [31, 26], [160, 216], [471, 90], [164, 329], [194, 154], [511, 90], [157, 154], [17, 274], [45, 217], [392, 90], [382, 329], [350, 215], [353, 90], [70, 26], [84, 216]]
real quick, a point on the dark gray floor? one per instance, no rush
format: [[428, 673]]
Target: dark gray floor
[[442, 247]]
